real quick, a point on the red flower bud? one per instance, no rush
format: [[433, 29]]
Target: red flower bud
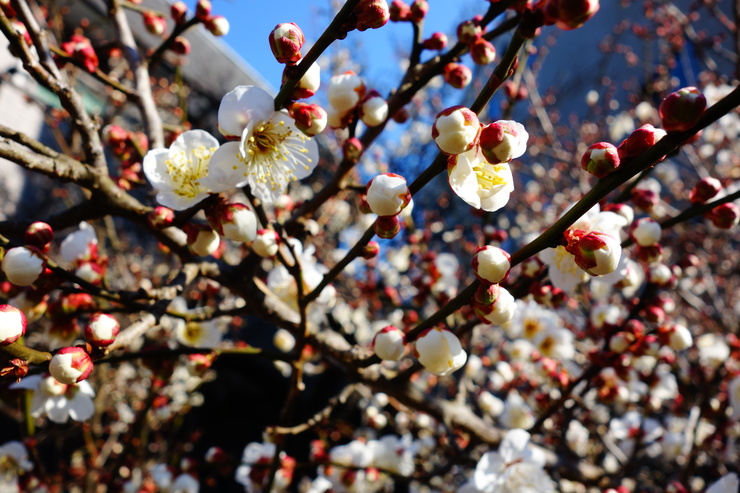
[[39, 234], [371, 250], [372, 14], [437, 41], [286, 40], [725, 215], [399, 11], [178, 12], [352, 149], [570, 14], [387, 226], [419, 10], [482, 52], [682, 109], [600, 159], [154, 22], [705, 189], [640, 141], [468, 31], [457, 75], [203, 10]]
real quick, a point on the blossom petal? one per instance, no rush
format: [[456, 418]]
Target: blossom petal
[[81, 407], [463, 180], [155, 169], [56, 409], [242, 105], [226, 170]]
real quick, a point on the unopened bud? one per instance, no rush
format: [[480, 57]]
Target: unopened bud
[[439, 351], [491, 264], [387, 194], [705, 189], [70, 365], [725, 216], [373, 109], [286, 41], [387, 226], [101, 329], [266, 243], [155, 23], [233, 220], [500, 311], [661, 275], [283, 340], [389, 343], [640, 141], [23, 265], [645, 231], [644, 199], [457, 75], [468, 31], [12, 324], [202, 240], [650, 254], [419, 10], [372, 14], [180, 45], [502, 141], [456, 130], [161, 217], [595, 252], [437, 41], [570, 14], [217, 25], [310, 119], [39, 235], [399, 11], [309, 83], [371, 250], [482, 52], [345, 91], [682, 109], [178, 12], [352, 149], [600, 159], [203, 10]]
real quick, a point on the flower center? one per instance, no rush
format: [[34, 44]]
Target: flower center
[[271, 143], [565, 262], [531, 328], [488, 175], [193, 332], [187, 168]]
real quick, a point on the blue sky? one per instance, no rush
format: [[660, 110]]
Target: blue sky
[[252, 20]]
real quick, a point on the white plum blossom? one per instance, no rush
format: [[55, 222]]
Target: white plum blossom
[[479, 183], [183, 175], [80, 245], [517, 413], [387, 194], [58, 401], [516, 467], [345, 91], [456, 130], [271, 152], [13, 461], [389, 343]]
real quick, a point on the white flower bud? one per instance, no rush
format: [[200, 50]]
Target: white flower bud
[[387, 194], [374, 109], [646, 232], [660, 274], [101, 329], [23, 265], [203, 241], [283, 340], [440, 351], [502, 310], [502, 141], [679, 337], [70, 365], [345, 92], [456, 130], [266, 243], [389, 343], [12, 324], [491, 264]]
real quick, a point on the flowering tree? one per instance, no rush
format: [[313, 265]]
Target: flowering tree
[[562, 314]]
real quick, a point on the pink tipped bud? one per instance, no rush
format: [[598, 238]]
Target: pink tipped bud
[[266, 243], [725, 215], [437, 41], [661, 275], [233, 220], [491, 264], [180, 45], [419, 10], [310, 119], [457, 75], [399, 11], [217, 25], [203, 10], [705, 189], [640, 141], [387, 226], [389, 343], [345, 91], [70, 365], [371, 250], [570, 14], [161, 217], [90, 271], [286, 40], [439, 351], [179, 12], [500, 311], [468, 31], [154, 23], [202, 240], [387, 194], [502, 141], [23, 265], [456, 130], [102, 329], [39, 235], [482, 52], [595, 252], [352, 149], [682, 109], [12, 324], [644, 199], [645, 231], [650, 254], [373, 109], [600, 159], [486, 294], [80, 48], [372, 14]]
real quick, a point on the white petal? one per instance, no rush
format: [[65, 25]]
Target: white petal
[[56, 409], [193, 139], [225, 170], [242, 105], [155, 168], [464, 181], [513, 445], [81, 407]]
